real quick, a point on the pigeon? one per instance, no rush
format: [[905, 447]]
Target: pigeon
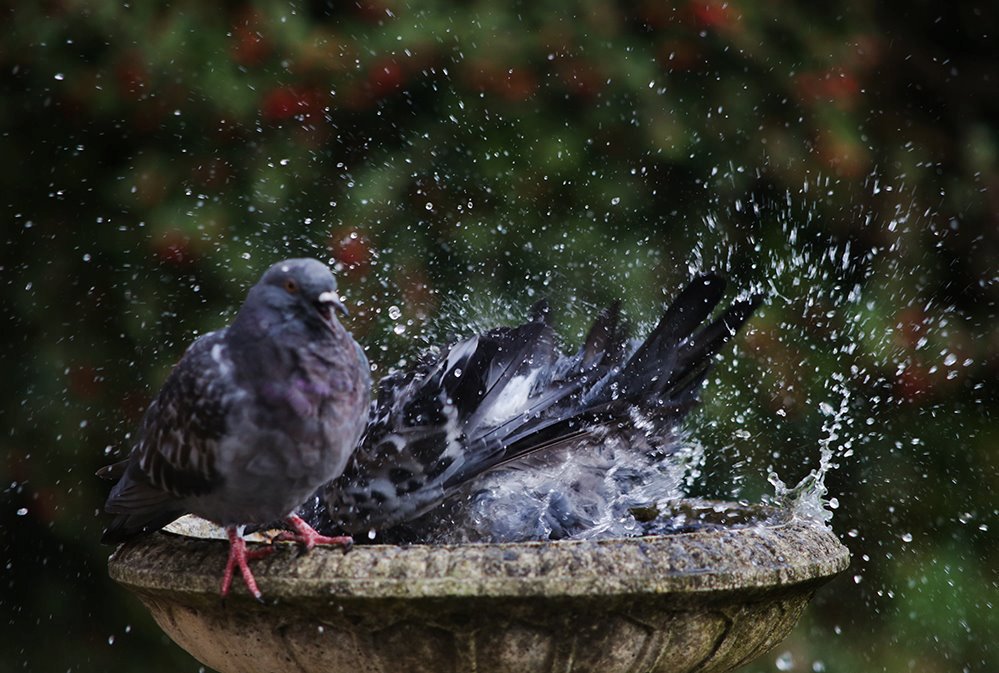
[[251, 421], [487, 438]]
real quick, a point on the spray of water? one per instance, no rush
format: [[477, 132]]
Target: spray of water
[[847, 336], [807, 499]]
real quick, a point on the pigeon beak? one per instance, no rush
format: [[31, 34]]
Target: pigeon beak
[[327, 299]]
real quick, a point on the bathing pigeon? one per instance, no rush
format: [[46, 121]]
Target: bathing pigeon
[[251, 421], [504, 437]]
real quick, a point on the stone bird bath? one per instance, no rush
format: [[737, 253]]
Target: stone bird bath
[[708, 599]]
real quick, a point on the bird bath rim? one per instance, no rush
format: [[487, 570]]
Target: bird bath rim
[[757, 556]]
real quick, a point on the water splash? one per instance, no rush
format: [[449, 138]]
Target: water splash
[[807, 499]]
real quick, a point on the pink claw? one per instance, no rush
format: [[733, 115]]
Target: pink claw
[[307, 537], [240, 556]]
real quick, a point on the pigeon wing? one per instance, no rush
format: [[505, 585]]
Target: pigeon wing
[[180, 434], [416, 441]]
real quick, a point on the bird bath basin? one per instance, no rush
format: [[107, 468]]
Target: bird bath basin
[[708, 600]]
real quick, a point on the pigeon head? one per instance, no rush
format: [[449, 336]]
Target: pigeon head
[[302, 289]]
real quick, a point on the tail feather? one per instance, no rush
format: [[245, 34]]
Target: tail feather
[[687, 312], [139, 507], [124, 527], [696, 356], [605, 340], [114, 471]]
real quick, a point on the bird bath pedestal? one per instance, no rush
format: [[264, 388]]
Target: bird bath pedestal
[[709, 600]]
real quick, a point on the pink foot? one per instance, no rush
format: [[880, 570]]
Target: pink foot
[[240, 556], [307, 537]]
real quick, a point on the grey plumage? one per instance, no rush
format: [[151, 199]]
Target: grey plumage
[[254, 417], [502, 436]]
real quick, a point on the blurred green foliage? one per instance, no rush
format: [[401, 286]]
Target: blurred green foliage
[[459, 159]]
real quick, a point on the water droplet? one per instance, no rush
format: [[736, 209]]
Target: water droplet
[[22, 512], [59, 76], [394, 312], [430, 206], [906, 537], [785, 662], [110, 640], [399, 329], [616, 200]]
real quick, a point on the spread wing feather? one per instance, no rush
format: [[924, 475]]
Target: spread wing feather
[[507, 393]]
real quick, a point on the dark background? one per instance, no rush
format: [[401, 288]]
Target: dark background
[[458, 160]]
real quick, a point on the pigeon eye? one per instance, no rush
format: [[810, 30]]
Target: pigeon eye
[[291, 286]]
